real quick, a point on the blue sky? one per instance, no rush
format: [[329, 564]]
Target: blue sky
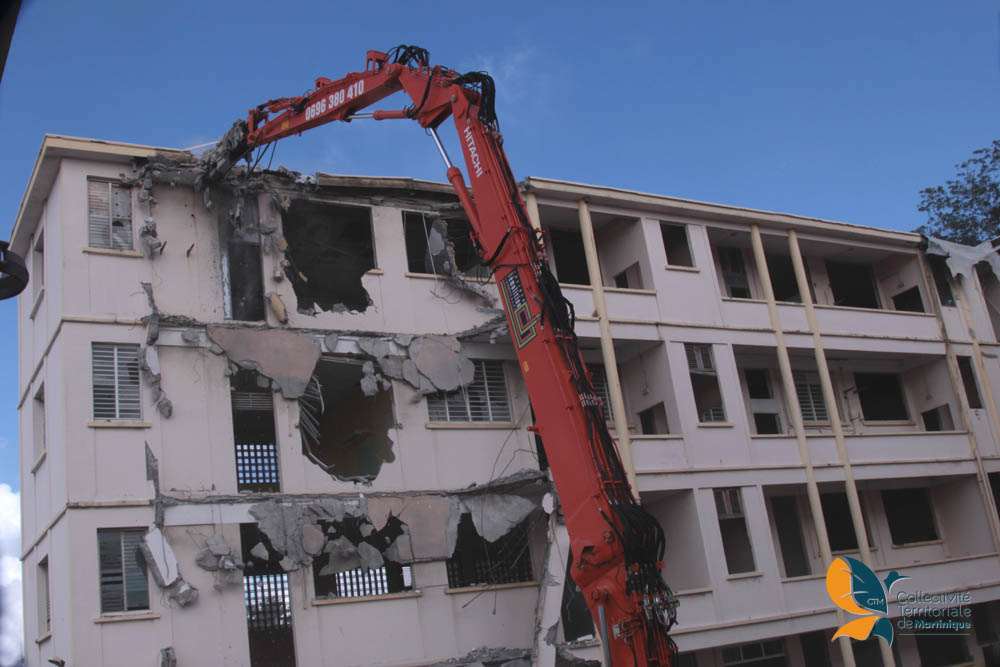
[[836, 110]]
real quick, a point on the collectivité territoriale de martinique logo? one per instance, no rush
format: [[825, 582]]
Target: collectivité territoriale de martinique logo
[[857, 590]]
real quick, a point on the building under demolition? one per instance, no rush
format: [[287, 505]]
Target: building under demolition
[[277, 420]]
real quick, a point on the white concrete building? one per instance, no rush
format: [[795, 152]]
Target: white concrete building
[[284, 408]]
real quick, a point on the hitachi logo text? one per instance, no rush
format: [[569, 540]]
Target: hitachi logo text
[[470, 141]]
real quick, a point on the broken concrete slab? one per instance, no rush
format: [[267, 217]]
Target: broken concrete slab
[[277, 307], [440, 359], [484, 655], [312, 539], [495, 515], [160, 558], [260, 551], [371, 558], [167, 657], [285, 357]]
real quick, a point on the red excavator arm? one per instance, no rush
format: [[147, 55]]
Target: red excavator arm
[[617, 547]]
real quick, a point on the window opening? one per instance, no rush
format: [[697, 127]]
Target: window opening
[[653, 420], [909, 300], [418, 229], [630, 278], [123, 570], [852, 284], [770, 653], [483, 400], [810, 394], [330, 248], [734, 273], [476, 562], [938, 419], [881, 397], [910, 515], [733, 526], [942, 279], [344, 430], [704, 383], [763, 404], [676, 244], [109, 215], [789, 528], [44, 604], [116, 381], [969, 382], [253, 434], [571, 260], [267, 601]]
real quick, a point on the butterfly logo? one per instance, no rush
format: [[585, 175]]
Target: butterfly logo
[[856, 589]]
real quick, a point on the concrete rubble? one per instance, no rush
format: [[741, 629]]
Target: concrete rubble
[[286, 357], [224, 560], [162, 564], [489, 657]]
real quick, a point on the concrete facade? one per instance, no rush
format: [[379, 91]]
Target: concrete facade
[[424, 418]]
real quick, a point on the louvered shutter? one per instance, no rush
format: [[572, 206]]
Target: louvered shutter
[[116, 381], [99, 214]]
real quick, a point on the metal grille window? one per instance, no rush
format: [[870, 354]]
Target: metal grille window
[[253, 435], [810, 394], [390, 578], [116, 381], [477, 562], [483, 400], [109, 215], [123, 571], [268, 604]]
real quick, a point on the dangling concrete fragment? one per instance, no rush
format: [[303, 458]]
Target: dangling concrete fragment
[[160, 558], [286, 357]]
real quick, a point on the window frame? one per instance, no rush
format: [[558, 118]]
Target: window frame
[[931, 519], [729, 512], [120, 414], [140, 566], [686, 245], [44, 597], [110, 244], [439, 404]]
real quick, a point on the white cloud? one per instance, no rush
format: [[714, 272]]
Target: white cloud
[[11, 608], [522, 85]]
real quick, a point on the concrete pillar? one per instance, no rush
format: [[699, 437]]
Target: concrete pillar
[[853, 500], [607, 346], [795, 413]]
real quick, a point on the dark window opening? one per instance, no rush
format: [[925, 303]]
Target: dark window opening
[[763, 404], [421, 228], [786, 520], [940, 648], [653, 420], [969, 382], [991, 294], [938, 419], [123, 570], [910, 515], [868, 653], [630, 278], [330, 247], [676, 245], [852, 284], [942, 279], [571, 260], [770, 653], [881, 397], [345, 577], [733, 526], [995, 486], [477, 562], [345, 432], [839, 525], [705, 383], [242, 268], [816, 649], [267, 600], [783, 282], [576, 619], [909, 300], [734, 273], [253, 434]]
